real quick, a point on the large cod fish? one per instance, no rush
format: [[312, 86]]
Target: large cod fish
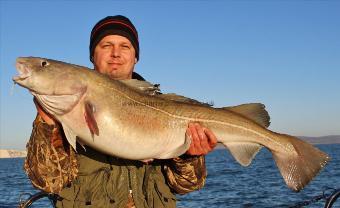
[[118, 118]]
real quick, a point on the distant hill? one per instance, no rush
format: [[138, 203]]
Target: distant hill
[[12, 153], [332, 139]]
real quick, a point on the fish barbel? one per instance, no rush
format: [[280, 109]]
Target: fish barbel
[[118, 118]]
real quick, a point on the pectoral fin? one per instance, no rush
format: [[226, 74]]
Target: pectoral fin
[[243, 153], [180, 98], [90, 119], [70, 136]]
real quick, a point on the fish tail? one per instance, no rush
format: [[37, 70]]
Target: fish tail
[[301, 165]]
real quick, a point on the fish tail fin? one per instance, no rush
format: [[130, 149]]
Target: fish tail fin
[[301, 165]]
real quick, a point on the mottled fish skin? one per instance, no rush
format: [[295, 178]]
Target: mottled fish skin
[[120, 120]]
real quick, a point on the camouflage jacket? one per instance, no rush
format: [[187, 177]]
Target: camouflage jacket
[[89, 178]]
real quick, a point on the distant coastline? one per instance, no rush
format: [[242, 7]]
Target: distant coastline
[[5, 153], [331, 139]]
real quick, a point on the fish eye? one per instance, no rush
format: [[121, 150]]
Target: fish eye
[[44, 63]]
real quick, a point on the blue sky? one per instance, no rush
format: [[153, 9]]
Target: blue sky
[[285, 54]]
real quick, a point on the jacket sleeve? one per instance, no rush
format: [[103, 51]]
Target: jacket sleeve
[[49, 168], [186, 173]]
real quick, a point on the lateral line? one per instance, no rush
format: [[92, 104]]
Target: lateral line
[[201, 120]]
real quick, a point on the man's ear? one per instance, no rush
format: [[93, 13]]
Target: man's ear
[[136, 60]]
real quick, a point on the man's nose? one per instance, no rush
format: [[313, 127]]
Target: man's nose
[[115, 51]]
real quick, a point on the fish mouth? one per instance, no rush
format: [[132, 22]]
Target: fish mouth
[[24, 72]]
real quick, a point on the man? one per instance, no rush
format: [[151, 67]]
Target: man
[[102, 180]]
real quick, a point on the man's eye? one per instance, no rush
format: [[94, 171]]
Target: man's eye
[[106, 46], [126, 46]]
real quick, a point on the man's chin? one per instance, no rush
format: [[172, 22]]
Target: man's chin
[[116, 76]]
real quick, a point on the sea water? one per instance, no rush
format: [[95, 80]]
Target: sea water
[[228, 184]]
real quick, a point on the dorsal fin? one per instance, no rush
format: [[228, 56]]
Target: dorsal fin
[[153, 89], [143, 86], [253, 111]]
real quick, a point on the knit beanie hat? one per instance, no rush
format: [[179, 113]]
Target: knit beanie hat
[[114, 25]]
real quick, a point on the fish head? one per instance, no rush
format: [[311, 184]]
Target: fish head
[[48, 77], [53, 83]]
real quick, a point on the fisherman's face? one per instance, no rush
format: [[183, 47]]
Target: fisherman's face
[[114, 56]]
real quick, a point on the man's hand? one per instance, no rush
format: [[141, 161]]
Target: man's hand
[[203, 140]]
